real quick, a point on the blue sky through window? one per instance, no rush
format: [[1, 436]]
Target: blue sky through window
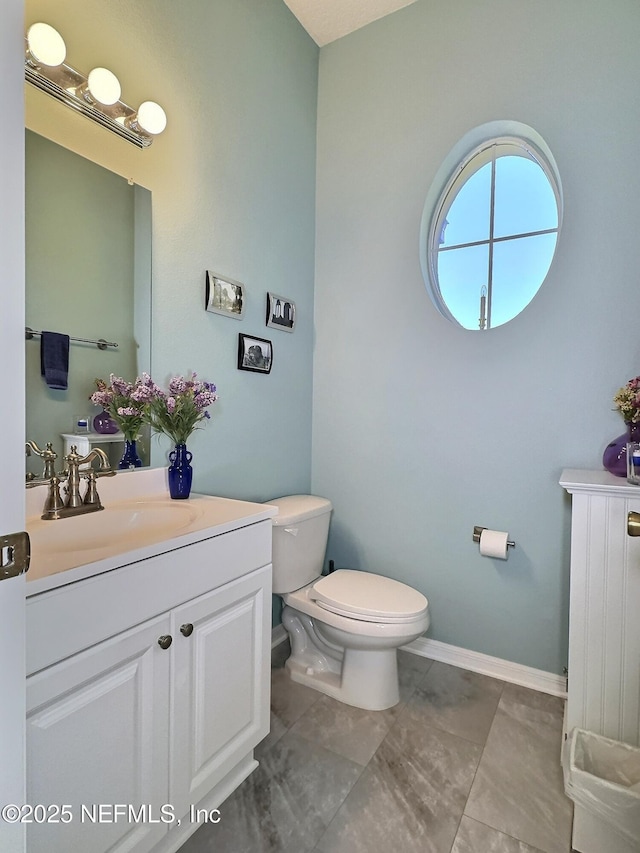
[[524, 198], [468, 217], [513, 261]]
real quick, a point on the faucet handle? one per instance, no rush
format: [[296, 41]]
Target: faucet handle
[[91, 496], [54, 501]]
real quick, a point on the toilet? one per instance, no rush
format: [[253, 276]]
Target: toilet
[[345, 627]]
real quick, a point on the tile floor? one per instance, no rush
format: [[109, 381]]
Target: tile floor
[[464, 764]]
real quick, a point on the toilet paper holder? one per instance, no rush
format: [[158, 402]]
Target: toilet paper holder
[[478, 530]]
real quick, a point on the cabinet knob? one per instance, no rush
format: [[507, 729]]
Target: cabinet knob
[[633, 524], [165, 641], [187, 629]]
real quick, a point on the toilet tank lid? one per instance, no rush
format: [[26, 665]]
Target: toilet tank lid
[[295, 508]]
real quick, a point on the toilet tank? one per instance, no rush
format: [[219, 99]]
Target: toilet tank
[[300, 533]]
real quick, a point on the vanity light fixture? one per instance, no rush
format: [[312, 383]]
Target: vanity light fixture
[[103, 86], [45, 45], [96, 95]]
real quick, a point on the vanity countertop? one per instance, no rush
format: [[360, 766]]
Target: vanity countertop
[[139, 521]]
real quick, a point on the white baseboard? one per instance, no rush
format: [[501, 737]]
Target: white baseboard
[[515, 673]]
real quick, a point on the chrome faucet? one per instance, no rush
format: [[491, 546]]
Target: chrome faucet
[[74, 503]]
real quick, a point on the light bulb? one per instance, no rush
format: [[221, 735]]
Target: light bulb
[[104, 86], [46, 45], [151, 117]]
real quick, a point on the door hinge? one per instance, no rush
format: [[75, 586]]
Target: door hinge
[[15, 554]]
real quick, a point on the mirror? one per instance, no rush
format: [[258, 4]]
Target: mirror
[[88, 275]]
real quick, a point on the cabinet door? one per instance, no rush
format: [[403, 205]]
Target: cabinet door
[[97, 733], [220, 684]]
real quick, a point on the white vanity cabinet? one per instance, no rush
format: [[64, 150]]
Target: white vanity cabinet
[[97, 733], [148, 689], [219, 658]]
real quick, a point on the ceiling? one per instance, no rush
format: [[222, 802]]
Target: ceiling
[[328, 20]]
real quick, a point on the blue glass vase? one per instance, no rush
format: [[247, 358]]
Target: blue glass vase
[[180, 472], [130, 458]]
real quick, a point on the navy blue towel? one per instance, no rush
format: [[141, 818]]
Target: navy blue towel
[[54, 359]]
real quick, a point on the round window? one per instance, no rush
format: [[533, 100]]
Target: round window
[[490, 226]]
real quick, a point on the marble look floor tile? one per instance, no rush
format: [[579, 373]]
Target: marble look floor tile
[[408, 660], [519, 788], [277, 729], [457, 701], [410, 797], [348, 731], [284, 806], [354, 732], [289, 700], [514, 694], [412, 670], [474, 837]]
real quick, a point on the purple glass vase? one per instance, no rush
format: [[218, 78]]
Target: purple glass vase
[[104, 424], [614, 458]]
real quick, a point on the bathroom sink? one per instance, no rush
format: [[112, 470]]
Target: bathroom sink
[[127, 525], [127, 530]]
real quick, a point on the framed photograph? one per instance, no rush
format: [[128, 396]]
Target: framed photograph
[[281, 312], [254, 354], [224, 296]]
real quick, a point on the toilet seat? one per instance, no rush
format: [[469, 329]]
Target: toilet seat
[[368, 597]]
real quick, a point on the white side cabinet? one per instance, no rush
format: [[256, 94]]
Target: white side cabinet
[[85, 442], [604, 626], [149, 689]]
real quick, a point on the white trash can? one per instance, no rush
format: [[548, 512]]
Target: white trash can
[[602, 777]]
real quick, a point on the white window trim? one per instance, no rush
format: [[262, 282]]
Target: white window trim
[[481, 139]]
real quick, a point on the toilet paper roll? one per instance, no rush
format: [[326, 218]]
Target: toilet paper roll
[[493, 543]]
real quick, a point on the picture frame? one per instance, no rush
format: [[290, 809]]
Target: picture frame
[[281, 312], [224, 295], [254, 354]]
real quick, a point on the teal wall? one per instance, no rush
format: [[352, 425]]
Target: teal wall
[[420, 429]]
